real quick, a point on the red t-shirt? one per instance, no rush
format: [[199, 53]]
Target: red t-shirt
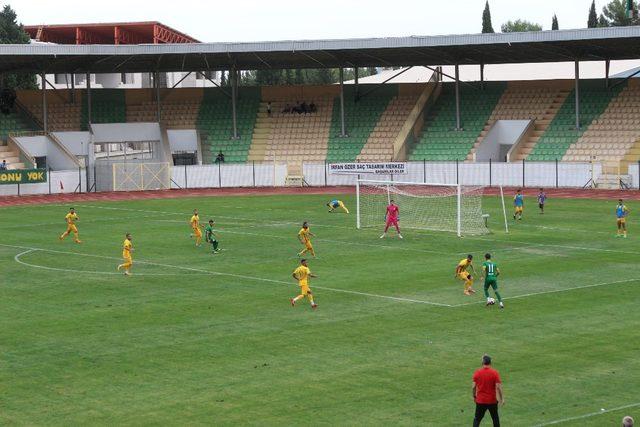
[[486, 379], [392, 212]]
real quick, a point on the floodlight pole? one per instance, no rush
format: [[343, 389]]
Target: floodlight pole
[[357, 88], [607, 66], [457, 87], [577, 90], [44, 102], [343, 131], [482, 75], [88, 77], [156, 79], [234, 99]]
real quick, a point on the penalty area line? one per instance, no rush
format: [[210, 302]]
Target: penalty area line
[[28, 249], [589, 415]]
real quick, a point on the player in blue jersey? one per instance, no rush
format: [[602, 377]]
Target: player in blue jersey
[[518, 204], [542, 198], [335, 204], [621, 219]]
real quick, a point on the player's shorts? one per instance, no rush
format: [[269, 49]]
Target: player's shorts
[[464, 276], [541, 205], [622, 220], [393, 222], [127, 257], [304, 290], [519, 209], [72, 229], [197, 232], [491, 282]]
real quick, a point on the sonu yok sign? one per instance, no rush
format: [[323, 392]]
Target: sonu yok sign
[[23, 176]]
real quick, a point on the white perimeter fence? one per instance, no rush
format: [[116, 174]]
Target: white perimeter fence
[[522, 174]]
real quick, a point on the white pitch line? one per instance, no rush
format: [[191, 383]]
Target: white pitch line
[[589, 415], [552, 245], [554, 291], [69, 270], [238, 276]]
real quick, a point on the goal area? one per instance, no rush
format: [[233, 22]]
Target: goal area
[[439, 207]]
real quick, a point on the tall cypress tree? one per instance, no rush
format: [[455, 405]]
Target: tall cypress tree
[[592, 22], [554, 22], [486, 19]]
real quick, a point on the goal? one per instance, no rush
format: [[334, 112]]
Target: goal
[[440, 207]]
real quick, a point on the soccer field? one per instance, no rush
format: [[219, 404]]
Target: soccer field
[[196, 338]]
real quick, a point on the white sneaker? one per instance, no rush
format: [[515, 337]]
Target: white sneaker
[[501, 305], [400, 236], [382, 237]]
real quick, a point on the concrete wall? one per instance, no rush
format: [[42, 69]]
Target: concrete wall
[[503, 132], [75, 142], [125, 132], [183, 140], [39, 146]]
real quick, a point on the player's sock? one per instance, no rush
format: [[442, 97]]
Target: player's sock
[[298, 298], [215, 245], [486, 293], [498, 296]]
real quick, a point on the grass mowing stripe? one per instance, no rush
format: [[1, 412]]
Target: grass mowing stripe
[[237, 276]]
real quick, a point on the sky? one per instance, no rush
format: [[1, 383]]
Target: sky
[[259, 20]]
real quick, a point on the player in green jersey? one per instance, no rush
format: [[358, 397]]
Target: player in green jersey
[[491, 273], [210, 237]]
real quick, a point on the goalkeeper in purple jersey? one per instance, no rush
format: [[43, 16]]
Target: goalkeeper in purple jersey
[[542, 198]]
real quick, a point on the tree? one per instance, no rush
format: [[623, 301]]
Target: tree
[[592, 21], [298, 77], [11, 32], [520, 26], [602, 21], [372, 71], [486, 19], [615, 13], [223, 78], [554, 22]]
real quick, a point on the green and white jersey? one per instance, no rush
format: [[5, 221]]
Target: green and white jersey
[[491, 269]]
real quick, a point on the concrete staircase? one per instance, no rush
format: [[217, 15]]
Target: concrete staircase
[[261, 133], [11, 156]]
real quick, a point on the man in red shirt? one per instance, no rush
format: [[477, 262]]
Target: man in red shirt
[[487, 392], [391, 218]]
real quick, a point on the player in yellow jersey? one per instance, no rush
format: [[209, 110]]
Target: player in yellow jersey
[[195, 226], [462, 273], [337, 204], [127, 249], [305, 235], [71, 219], [302, 274]]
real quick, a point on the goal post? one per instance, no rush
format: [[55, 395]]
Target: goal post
[[431, 206]]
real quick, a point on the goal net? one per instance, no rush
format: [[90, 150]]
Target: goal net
[[439, 207]]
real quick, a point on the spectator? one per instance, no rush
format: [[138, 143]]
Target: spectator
[[312, 107], [297, 108], [287, 109], [487, 392], [304, 108], [220, 157], [3, 165], [269, 109], [627, 421]]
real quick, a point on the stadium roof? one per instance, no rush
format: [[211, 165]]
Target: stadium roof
[[108, 33], [593, 44]]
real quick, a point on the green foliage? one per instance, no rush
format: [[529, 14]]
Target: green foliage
[[520, 26], [615, 14], [312, 76], [592, 21], [554, 23], [12, 32], [487, 27], [602, 21]]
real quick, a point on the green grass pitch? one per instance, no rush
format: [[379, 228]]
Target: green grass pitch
[[196, 338]]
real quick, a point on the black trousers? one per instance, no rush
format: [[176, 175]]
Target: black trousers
[[481, 409]]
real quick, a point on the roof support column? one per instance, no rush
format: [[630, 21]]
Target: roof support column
[[577, 91], [156, 80], [457, 86], [73, 88], [88, 77], [607, 66], [44, 102], [234, 98], [343, 128], [357, 88], [482, 75]]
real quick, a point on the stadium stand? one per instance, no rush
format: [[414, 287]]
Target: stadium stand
[[612, 136], [174, 114], [440, 140], [215, 123], [292, 137], [107, 106], [561, 133], [379, 145], [361, 118], [527, 101], [61, 116]]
